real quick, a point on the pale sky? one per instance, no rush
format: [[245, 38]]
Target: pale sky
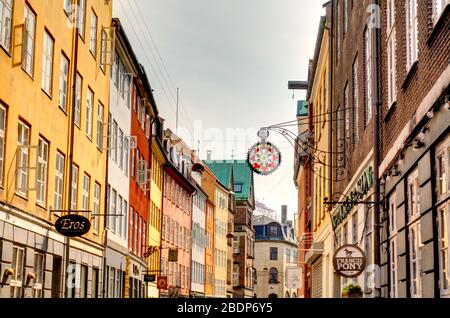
[[232, 60]]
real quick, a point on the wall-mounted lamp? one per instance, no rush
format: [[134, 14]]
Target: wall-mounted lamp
[[430, 114], [417, 144], [447, 102], [6, 274], [395, 172], [30, 277], [401, 159], [421, 136]]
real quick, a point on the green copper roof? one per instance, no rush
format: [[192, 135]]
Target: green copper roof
[[302, 108], [242, 173]]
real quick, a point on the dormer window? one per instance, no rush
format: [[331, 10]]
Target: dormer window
[[238, 187]]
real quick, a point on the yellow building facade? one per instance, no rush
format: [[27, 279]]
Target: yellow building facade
[[220, 241], [320, 255], [54, 92], [156, 201]]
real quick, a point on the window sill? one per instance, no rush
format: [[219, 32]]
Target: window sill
[[46, 93], [409, 75], [21, 195], [29, 75], [390, 112], [41, 205], [5, 50], [439, 25], [62, 109]]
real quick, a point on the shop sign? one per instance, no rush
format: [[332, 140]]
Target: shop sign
[[294, 277], [73, 225], [349, 261], [161, 283], [358, 193], [149, 278]]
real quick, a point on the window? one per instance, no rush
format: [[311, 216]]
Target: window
[[83, 281], [100, 112], [273, 276], [28, 40], [368, 73], [238, 187], [47, 63], [59, 181], [118, 230], [85, 194], [338, 31], [93, 34], [114, 137], [97, 193], [443, 169], [345, 16], [415, 244], [355, 102], [68, 6], [74, 188], [39, 272], [89, 113], [288, 255], [412, 47], [131, 227], [125, 218], [347, 123], [274, 253], [2, 141], [438, 8], [5, 23], [136, 226], [78, 88], [23, 141], [393, 268], [413, 196], [82, 18], [126, 146], [42, 172], [63, 82], [113, 211], [391, 52], [120, 141], [94, 283], [133, 170], [103, 56], [443, 249], [18, 267], [393, 214]]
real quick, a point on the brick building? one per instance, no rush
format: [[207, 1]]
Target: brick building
[[415, 148]]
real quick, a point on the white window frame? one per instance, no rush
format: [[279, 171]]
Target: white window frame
[[118, 229], [59, 181], [113, 211], [100, 114], [115, 131], [415, 245], [63, 82], [42, 172], [3, 118], [78, 101], [413, 196], [126, 155], [96, 211], [125, 220], [39, 264], [6, 23], [23, 157], [74, 187], [89, 112], [444, 239], [93, 34], [120, 138], [86, 194], [393, 290], [368, 74], [82, 18], [412, 38], [443, 183], [28, 40], [391, 53], [47, 63], [18, 264], [438, 9]]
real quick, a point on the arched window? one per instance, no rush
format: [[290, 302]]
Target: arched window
[[273, 296], [287, 295], [294, 295], [273, 276]]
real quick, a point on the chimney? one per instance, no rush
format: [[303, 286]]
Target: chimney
[[208, 155], [284, 214]]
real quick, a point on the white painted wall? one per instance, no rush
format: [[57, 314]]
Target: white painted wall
[[116, 177]]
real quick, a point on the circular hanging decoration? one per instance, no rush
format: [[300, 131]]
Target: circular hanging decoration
[[264, 158]]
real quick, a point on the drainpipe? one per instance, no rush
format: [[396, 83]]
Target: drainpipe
[[72, 131], [376, 158]]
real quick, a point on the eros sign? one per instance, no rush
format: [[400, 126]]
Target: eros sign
[[73, 225], [349, 261]]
